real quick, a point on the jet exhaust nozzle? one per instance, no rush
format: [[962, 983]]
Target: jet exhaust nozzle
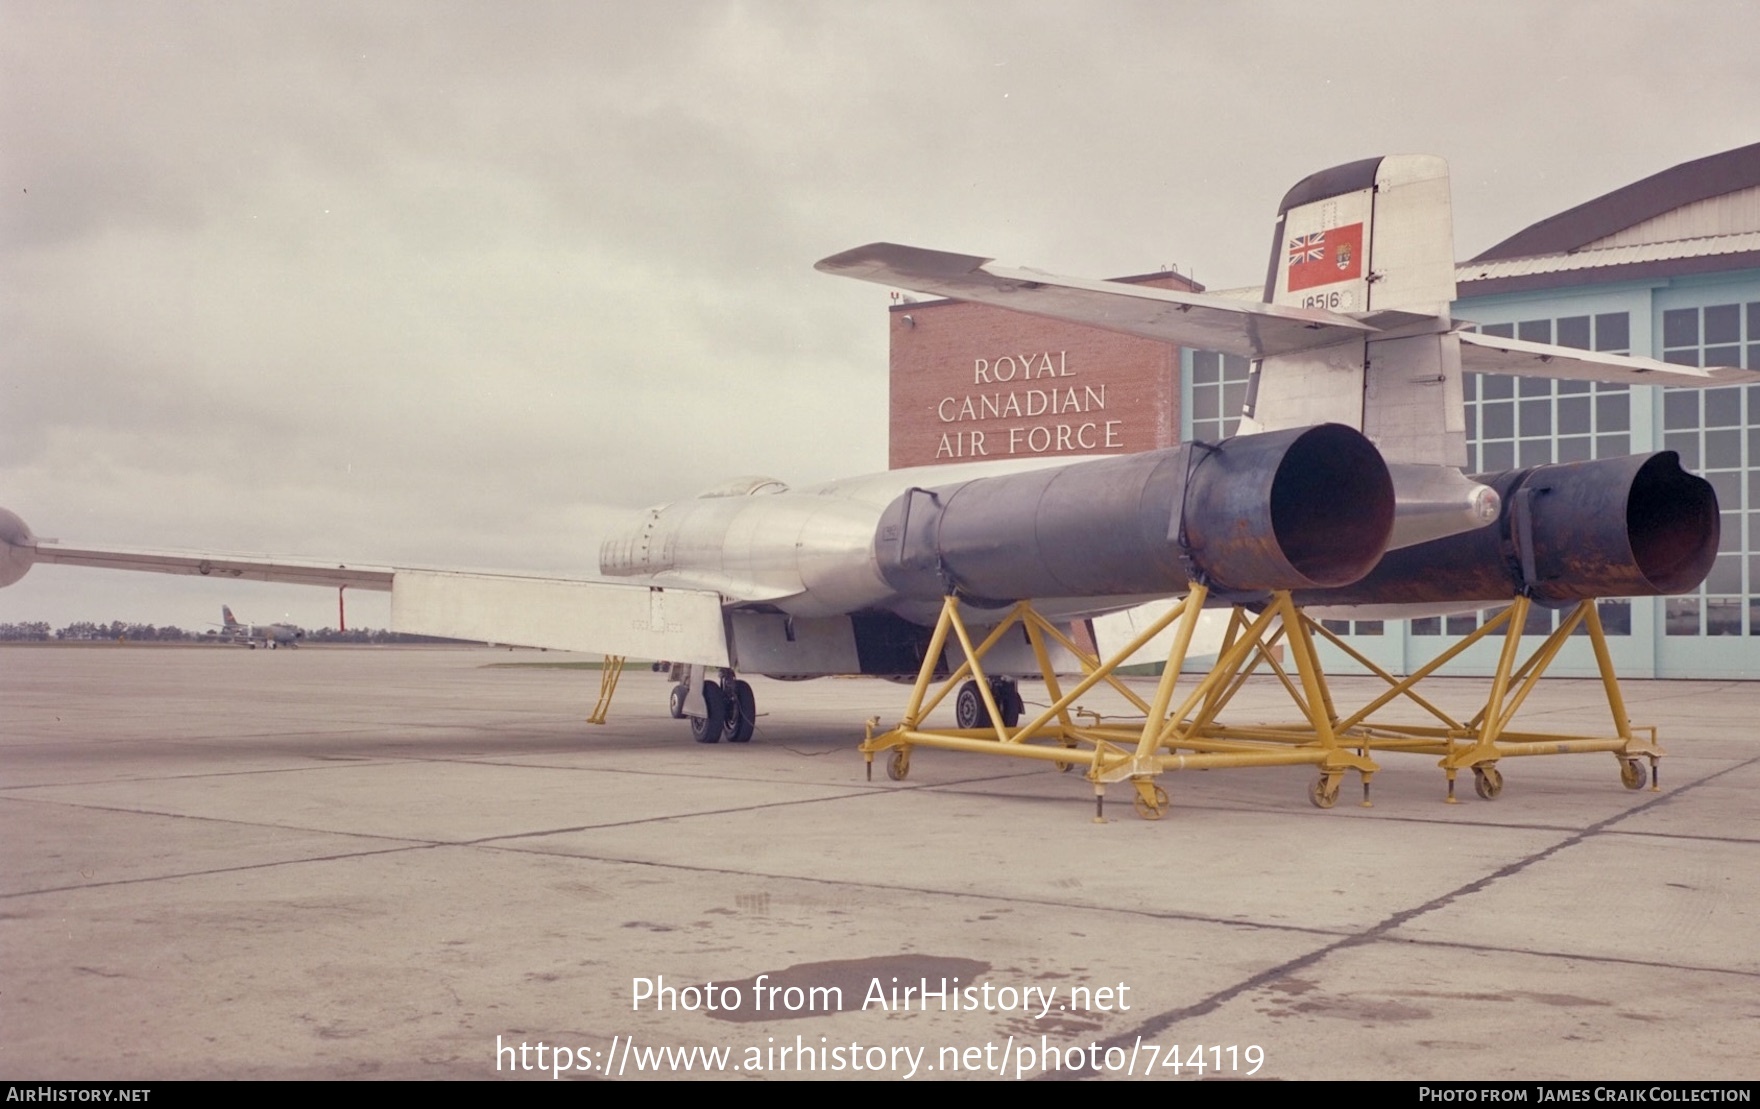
[[1290, 509], [1638, 526]]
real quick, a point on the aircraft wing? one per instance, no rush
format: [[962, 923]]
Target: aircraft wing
[[564, 614], [222, 566], [1482, 353], [1245, 328]]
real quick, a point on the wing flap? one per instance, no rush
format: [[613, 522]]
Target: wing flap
[[1481, 353], [561, 614], [1245, 328]]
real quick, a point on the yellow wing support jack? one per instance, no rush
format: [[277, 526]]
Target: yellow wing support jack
[[609, 671]]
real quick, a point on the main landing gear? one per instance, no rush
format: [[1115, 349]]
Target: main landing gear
[[716, 707], [969, 710]]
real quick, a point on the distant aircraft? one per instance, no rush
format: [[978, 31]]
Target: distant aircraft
[[1352, 444], [269, 635]]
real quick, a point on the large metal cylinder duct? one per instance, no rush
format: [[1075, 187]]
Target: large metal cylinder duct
[[1282, 510], [1615, 527]]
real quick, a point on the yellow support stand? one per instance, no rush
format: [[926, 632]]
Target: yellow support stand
[[1182, 738], [1189, 735], [1478, 743], [609, 672]]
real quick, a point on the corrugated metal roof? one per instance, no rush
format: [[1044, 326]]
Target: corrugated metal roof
[[1609, 256]]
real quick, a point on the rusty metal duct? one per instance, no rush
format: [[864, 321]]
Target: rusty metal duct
[[1638, 526], [1290, 509]]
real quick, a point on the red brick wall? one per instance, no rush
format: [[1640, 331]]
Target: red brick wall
[[971, 381]]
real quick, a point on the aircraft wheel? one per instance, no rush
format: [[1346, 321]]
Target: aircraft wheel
[[1631, 774], [1008, 700], [1151, 807], [1323, 793], [1487, 781], [708, 729], [743, 714], [675, 703], [968, 708], [898, 764]]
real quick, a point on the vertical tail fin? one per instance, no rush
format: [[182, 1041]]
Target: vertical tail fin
[[226, 616], [1371, 239], [1371, 236]]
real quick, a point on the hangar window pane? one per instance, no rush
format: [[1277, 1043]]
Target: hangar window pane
[[1497, 421], [1616, 616], [1205, 367], [1680, 408], [1574, 448], [1682, 616], [1427, 625], [1723, 449], [1535, 331], [1470, 387], [1726, 574], [1535, 452], [1723, 407], [1723, 356], [1567, 388], [1612, 446], [1463, 623], [1688, 357], [1370, 627], [1536, 417], [1501, 330], [1754, 616], [1613, 412], [1496, 457], [1496, 387], [1723, 324], [1573, 415], [1686, 444], [1723, 616], [1613, 332], [1680, 327], [1573, 331], [1533, 387]]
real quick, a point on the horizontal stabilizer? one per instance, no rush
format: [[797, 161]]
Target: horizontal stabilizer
[[1491, 354], [561, 614], [1244, 328]]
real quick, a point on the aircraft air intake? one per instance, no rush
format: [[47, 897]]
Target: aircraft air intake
[[1291, 509], [1638, 526]]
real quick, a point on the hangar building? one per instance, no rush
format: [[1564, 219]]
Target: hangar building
[[1667, 267]]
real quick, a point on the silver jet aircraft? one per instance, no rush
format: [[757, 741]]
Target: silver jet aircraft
[[269, 635], [1352, 446]]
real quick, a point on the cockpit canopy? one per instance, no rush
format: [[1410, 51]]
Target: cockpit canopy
[[751, 485]]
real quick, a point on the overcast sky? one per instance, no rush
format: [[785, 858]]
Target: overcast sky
[[444, 284]]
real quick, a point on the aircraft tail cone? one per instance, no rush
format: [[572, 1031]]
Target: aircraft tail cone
[[17, 547]]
